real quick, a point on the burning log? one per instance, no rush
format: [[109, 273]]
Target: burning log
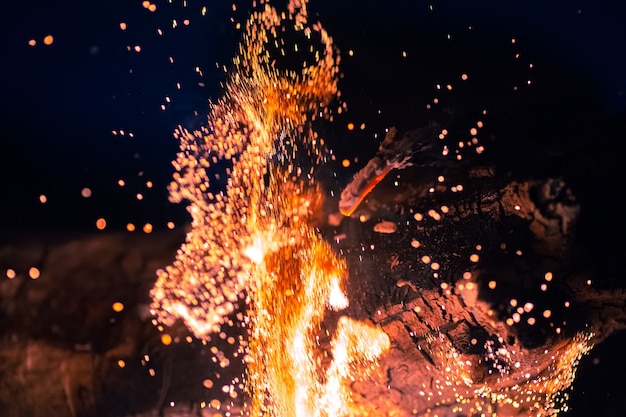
[[477, 287]]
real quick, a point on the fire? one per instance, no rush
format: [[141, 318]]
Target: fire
[[283, 371], [252, 246], [356, 344], [253, 249]]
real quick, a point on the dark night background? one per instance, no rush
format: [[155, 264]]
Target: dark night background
[[60, 104]]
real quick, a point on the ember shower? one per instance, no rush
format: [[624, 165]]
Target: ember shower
[[254, 248], [254, 243]]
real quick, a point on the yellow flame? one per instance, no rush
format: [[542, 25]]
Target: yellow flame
[[356, 348]]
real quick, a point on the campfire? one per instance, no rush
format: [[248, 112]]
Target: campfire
[[438, 273]]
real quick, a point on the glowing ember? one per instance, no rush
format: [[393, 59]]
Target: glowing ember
[[395, 152], [253, 243]]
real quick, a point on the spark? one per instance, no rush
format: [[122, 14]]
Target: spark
[[34, 273], [101, 223]]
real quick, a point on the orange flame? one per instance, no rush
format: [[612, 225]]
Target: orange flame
[[253, 243]]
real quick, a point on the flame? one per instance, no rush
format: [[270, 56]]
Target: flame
[[283, 372], [253, 243], [356, 349]]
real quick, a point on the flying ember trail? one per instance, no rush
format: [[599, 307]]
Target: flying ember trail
[[252, 247]]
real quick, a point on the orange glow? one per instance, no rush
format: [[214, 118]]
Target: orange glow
[[130, 227], [34, 273], [166, 339], [432, 213], [147, 228], [48, 39], [101, 223], [117, 307], [370, 186], [11, 273]]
